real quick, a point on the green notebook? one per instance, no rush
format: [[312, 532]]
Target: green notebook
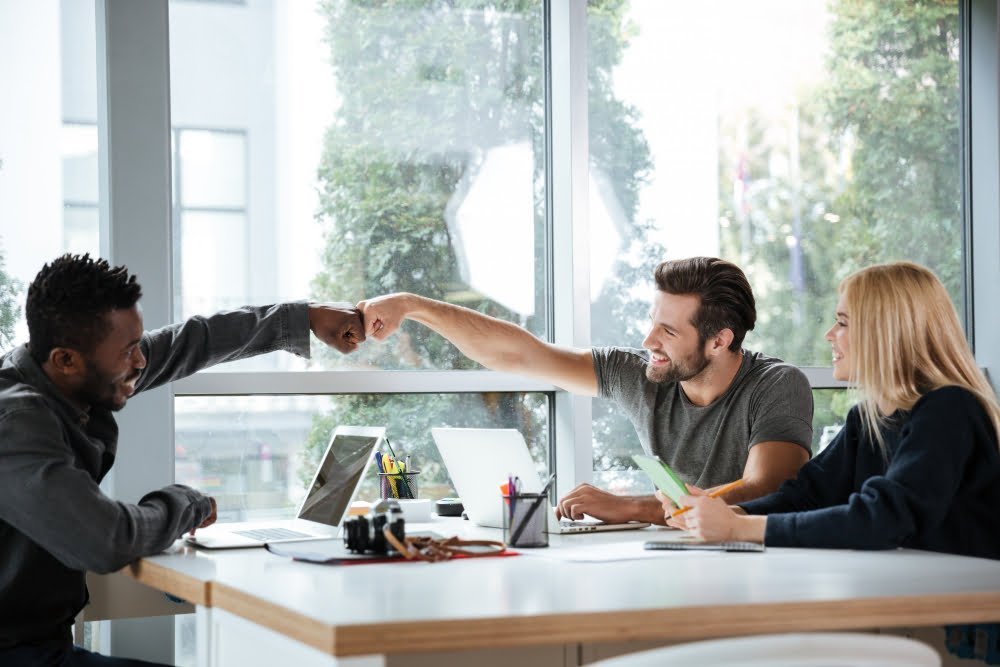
[[665, 479]]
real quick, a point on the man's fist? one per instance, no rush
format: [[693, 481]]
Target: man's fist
[[338, 325]]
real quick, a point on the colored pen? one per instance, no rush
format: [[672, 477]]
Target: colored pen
[[714, 494], [401, 478], [511, 494]]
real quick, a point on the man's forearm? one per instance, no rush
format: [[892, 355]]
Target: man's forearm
[[179, 350], [648, 509], [494, 343]]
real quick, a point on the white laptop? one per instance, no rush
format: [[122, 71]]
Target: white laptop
[[479, 461], [340, 471]]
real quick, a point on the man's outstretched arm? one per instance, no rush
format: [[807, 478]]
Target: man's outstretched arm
[[497, 345], [179, 350]]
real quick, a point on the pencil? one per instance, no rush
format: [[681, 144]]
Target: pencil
[[714, 494]]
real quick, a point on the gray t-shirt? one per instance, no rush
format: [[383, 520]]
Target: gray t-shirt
[[707, 446]]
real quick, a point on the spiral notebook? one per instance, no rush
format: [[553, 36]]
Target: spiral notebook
[[679, 545]]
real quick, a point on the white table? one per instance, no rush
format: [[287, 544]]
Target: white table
[[257, 608]]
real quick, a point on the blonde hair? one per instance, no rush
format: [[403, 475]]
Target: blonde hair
[[906, 341]]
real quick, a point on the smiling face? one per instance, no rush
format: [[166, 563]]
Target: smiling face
[[676, 352], [840, 340], [115, 363]]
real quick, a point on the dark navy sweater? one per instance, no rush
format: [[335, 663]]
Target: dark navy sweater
[[938, 489]]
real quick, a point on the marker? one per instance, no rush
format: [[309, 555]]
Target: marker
[[545, 489]]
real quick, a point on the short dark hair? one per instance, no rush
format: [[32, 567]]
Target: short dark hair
[[726, 298], [68, 302]]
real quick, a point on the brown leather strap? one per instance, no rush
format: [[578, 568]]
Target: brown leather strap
[[434, 550]]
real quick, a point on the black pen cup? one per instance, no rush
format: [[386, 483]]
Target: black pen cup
[[525, 518], [397, 485]]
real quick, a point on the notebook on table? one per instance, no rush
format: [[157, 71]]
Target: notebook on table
[[479, 461], [334, 485], [694, 545]]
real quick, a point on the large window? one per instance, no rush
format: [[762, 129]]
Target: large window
[[384, 149], [48, 146], [256, 456], [211, 265], [357, 151], [337, 151], [806, 140]]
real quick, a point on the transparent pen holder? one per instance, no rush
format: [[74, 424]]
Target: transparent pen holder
[[525, 521], [398, 485]]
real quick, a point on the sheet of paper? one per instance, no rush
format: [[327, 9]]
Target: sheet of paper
[[602, 553]]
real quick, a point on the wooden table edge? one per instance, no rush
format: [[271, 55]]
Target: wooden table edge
[[191, 589], [671, 623]]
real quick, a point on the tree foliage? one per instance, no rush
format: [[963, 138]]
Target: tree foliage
[[869, 172], [893, 97], [428, 88]]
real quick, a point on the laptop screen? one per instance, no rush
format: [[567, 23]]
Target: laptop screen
[[479, 461], [340, 471]]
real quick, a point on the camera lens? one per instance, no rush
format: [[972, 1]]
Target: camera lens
[[365, 534]]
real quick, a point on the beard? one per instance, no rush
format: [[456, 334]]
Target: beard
[[678, 370], [100, 390]]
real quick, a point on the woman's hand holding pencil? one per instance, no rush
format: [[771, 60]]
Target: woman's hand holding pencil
[[710, 519], [713, 494]]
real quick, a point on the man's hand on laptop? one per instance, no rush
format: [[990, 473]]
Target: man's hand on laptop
[[338, 325], [210, 519], [608, 507]]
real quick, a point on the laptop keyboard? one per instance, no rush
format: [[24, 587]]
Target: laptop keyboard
[[271, 534]]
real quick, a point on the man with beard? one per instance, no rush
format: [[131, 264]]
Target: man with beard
[[87, 354], [712, 410]]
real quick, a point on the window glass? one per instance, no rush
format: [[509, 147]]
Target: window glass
[[79, 167], [257, 454], [213, 261], [81, 229], [829, 414], [212, 166], [812, 138], [388, 148], [48, 146]]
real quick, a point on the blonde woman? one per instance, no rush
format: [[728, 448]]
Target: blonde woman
[[916, 465]]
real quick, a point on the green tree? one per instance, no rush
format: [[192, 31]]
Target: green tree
[[428, 88], [872, 174], [893, 102]]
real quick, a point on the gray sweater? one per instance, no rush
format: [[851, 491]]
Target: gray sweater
[[55, 523]]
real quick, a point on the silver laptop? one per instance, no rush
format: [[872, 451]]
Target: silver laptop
[[343, 466], [479, 461]]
